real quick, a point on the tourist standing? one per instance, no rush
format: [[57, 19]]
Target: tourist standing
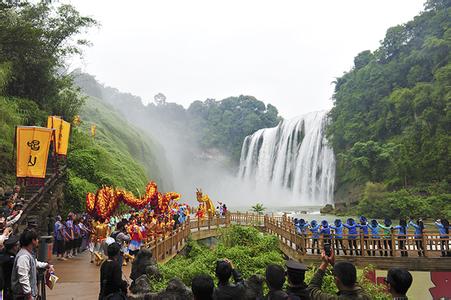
[[202, 287], [402, 231], [58, 234], [226, 290], [24, 276], [314, 228], [338, 236], [443, 228], [374, 227], [345, 277], [419, 230], [275, 278], [398, 282], [7, 258], [112, 286], [352, 235], [296, 276], [387, 236]]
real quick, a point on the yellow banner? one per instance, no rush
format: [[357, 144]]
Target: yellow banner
[[33, 145], [61, 134]]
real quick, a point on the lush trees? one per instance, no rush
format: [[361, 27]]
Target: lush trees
[[213, 125], [224, 124], [390, 122], [35, 40]]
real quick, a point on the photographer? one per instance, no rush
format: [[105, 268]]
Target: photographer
[[225, 290], [345, 275]]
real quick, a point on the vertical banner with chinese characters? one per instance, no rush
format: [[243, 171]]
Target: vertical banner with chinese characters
[[62, 131], [33, 145]]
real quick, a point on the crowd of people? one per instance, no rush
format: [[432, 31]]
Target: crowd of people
[[377, 237], [283, 283]]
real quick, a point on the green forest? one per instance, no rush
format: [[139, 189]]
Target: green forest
[[35, 39], [390, 122], [220, 125], [389, 125]]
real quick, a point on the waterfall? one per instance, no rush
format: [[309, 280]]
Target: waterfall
[[293, 156]]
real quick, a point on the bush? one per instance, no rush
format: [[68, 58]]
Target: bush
[[250, 251]]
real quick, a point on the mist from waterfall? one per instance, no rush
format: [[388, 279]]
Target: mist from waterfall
[[292, 159]]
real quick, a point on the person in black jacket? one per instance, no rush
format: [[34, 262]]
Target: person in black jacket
[[7, 262], [296, 277], [111, 283], [225, 290], [275, 278]]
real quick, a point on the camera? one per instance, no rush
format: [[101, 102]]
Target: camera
[[327, 249]]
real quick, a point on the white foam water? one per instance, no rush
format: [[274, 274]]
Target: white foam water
[[293, 156]]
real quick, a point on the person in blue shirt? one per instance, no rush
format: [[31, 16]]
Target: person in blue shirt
[[314, 228], [419, 229], [364, 231], [401, 237], [352, 234], [443, 228], [387, 236], [325, 231], [374, 227], [301, 229], [338, 236]]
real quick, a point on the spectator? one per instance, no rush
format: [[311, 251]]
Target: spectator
[[15, 193], [398, 282], [275, 278], [225, 290], [345, 275], [296, 276], [7, 262], [202, 287], [59, 235], [443, 228], [111, 283], [419, 229], [24, 274]]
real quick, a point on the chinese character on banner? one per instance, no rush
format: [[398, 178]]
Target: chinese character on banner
[[33, 145], [62, 131], [93, 130]]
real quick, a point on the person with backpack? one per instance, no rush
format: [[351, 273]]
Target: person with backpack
[[419, 229], [122, 238]]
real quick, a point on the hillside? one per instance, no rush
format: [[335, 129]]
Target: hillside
[[390, 122], [35, 39], [214, 126]]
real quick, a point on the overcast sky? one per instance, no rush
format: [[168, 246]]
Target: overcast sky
[[282, 52]]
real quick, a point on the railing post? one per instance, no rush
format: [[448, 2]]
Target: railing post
[[209, 221], [362, 245], [198, 223], [393, 244], [425, 245]]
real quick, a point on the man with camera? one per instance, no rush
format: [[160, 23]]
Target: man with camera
[[345, 275]]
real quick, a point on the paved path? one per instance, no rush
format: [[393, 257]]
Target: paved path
[[78, 279]]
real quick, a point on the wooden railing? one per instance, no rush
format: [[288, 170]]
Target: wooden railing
[[167, 245], [428, 245]]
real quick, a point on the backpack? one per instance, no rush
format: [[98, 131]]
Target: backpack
[[115, 234]]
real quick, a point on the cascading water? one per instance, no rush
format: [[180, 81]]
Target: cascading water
[[293, 156]]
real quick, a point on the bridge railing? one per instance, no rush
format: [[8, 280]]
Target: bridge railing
[[168, 244], [428, 244]]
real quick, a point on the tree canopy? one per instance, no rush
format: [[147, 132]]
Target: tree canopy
[[390, 122]]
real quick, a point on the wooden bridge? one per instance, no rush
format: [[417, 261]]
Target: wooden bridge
[[300, 247]]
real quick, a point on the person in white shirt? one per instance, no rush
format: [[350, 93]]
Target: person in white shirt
[[24, 274]]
